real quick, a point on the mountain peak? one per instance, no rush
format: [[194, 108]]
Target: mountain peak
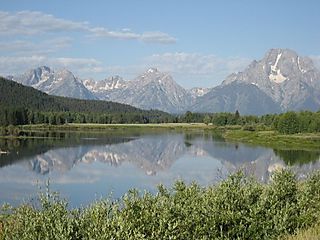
[[152, 70], [152, 75], [286, 64], [198, 91], [278, 65], [284, 76], [115, 78], [33, 76], [45, 68], [283, 51], [61, 83], [65, 71], [37, 72]]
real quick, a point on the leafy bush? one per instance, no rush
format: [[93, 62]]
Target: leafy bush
[[51, 221], [288, 123], [237, 208]]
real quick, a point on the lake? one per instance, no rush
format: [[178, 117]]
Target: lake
[[84, 167]]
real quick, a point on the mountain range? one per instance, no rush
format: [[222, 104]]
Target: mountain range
[[151, 90], [281, 81]]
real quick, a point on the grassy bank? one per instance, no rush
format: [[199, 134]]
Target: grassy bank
[[46, 130], [237, 208], [89, 126], [274, 139]]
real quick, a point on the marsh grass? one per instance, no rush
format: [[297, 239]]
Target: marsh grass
[[312, 233], [237, 208], [117, 126], [275, 140]]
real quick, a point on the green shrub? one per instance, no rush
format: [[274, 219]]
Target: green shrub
[[237, 208], [3, 131], [288, 123], [52, 220]]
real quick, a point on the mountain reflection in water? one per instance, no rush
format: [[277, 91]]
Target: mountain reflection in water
[[117, 162]]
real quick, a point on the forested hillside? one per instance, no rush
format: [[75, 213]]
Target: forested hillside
[[21, 105], [24, 105]]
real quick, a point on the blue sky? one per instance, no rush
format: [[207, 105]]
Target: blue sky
[[198, 42]]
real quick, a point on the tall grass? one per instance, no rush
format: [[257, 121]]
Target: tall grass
[[312, 233], [237, 208]]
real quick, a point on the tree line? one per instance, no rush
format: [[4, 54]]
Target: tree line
[[23, 116], [285, 123]]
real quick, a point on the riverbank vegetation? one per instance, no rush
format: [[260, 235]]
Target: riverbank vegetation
[[275, 140], [285, 123], [237, 208]]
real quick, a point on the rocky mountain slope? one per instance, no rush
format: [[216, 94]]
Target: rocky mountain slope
[[291, 81], [151, 90], [246, 98]]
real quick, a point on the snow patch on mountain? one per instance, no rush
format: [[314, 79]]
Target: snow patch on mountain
[[275, 74], [300, 68], [198, 91]]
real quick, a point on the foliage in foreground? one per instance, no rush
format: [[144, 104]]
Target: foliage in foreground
[[237, 208]]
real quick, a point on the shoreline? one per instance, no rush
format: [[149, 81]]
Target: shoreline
[[231, 133]]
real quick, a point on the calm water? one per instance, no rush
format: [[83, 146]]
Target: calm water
[[87, 166]]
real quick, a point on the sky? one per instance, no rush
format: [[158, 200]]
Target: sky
[[198, 42]]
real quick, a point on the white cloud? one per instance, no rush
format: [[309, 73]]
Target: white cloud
[[123, 34], [127, 34], [207, 70], [188, 69], [29, 39], [31, 23], [128, 72], [79, 66], [34, 23], [23, 47], [159, 37], [198, 64]]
